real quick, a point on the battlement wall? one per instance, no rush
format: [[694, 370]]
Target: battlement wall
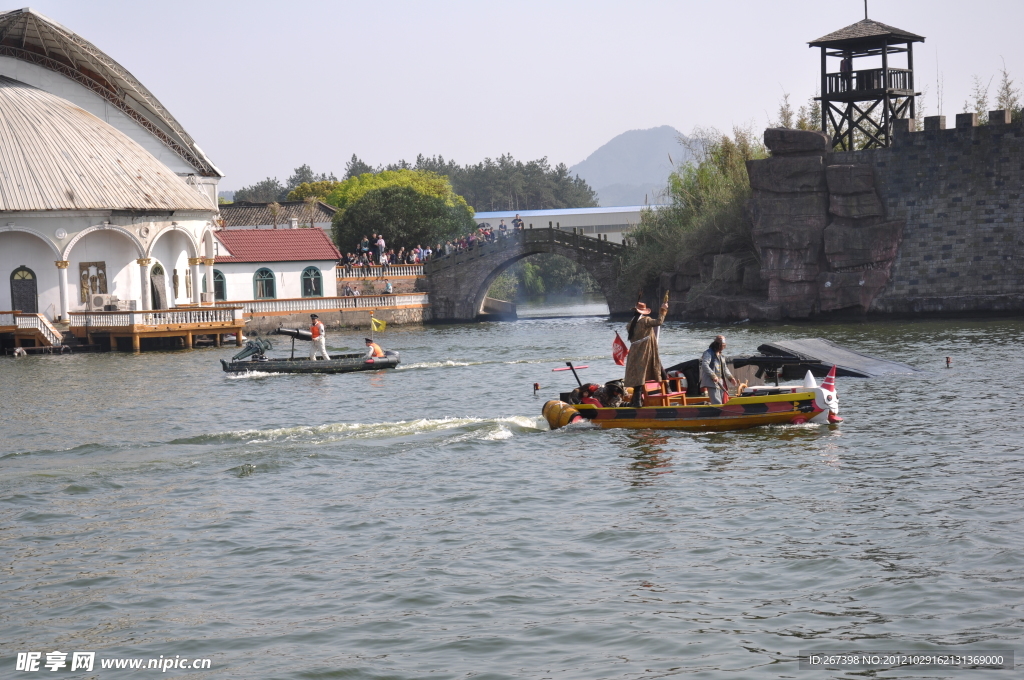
[[960, 192]]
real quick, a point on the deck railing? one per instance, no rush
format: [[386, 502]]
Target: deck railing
[[376, 271], [155, 317], [867, 80], [329, 304], [7, 318]]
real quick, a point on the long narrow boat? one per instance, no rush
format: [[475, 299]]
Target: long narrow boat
[[252, 359], [338, 363], [757, 406]]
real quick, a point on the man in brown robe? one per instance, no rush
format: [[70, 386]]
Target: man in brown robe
[[643, 362]]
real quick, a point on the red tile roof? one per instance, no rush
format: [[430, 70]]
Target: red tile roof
[[276, 245]]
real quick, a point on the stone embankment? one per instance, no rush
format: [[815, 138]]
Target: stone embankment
[[934, 224], [339, 320]]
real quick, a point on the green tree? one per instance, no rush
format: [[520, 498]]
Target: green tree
[[405, 214], [305, 175], [318, 190], [978, 101], [429, 183], [809, 115], [266, 191], [271, 188], [1008, 96], [356, 167], [507, 184], [786, 117], [275, 212], [542, 274], [707, 213]]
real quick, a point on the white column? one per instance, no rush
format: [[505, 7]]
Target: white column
[[197, 284], [62, 278], [144, 263], [211, 288]]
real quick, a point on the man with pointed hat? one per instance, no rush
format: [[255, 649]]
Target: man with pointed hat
[[643, 362]]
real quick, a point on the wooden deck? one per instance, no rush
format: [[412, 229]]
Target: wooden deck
[[185, 323]]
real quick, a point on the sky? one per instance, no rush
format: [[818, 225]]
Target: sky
[[264, 86]]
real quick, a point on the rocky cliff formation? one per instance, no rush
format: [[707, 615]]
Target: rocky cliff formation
[[820, 241]]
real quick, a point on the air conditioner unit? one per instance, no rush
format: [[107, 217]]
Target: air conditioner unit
[[123, 306], [98, 301], [207, 297]]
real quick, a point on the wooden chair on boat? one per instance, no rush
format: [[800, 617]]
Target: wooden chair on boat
[[664, 393]]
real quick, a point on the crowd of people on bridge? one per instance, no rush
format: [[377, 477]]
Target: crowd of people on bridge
[[372, 251]]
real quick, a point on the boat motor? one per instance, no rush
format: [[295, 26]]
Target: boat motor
[[254, 348]]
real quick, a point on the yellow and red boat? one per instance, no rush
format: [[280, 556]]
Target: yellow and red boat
[[753, 407]]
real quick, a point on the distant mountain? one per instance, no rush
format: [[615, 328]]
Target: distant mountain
[[633, 166]]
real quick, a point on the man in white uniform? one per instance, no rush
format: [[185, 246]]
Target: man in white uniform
[[319, 343]]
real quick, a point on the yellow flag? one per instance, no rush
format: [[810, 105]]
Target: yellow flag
[[378, 325]]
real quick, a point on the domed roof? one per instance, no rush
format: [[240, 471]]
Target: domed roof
[[57, 156], [28, 36]]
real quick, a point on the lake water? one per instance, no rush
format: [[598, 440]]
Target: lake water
[[423, 522]]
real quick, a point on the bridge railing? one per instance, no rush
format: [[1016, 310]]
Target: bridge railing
[[577, 241], [376, 271]]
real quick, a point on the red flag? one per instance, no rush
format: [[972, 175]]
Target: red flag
[[619, 350]]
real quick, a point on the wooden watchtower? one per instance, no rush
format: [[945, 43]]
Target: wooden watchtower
[[860, 105]]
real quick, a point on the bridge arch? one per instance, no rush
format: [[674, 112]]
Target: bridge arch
[[458, 283]]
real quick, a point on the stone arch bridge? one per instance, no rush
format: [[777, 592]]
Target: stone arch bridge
[[458, 283]]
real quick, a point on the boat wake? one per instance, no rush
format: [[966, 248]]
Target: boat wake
[[436, 364], [249, 375], [488, 429], [450, 363]]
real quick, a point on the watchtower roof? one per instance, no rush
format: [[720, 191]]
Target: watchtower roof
[[865, 33]]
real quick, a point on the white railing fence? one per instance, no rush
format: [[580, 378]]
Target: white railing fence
[[7, 318], [375, 271], [100, 319], [330, 304], [185, 316], [40, 323], [156, 317]]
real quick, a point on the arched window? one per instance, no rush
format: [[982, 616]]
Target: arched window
[[220, 288], [24, 290], [263, 285], [312, 282]]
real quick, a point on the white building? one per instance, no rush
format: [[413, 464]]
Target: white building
[[269, 264], [102, 193], [607, 223]]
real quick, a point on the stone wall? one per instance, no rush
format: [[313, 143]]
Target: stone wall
[[374, 286], [819, 225], [959, 193], [356, 318], [932, 225]]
